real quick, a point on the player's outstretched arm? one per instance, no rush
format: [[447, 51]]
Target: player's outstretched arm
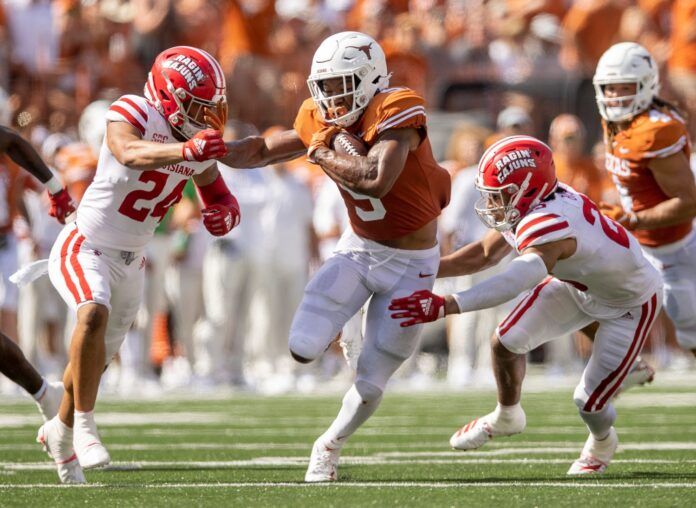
[[475, 256], [375, 174], [126, 144], [521, 274], [21, 152], [257, 151]]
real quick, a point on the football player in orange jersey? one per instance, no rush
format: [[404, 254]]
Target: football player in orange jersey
[[394, 195], [13, 363], [647, 154]]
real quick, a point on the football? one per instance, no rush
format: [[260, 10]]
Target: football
[[346, 143]]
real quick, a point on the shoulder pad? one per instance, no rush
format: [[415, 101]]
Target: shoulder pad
[[656, 135], [307, 121], [541, 227], [394, 108], [131, 109]]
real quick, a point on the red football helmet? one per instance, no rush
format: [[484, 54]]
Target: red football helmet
[[514, 175], [182, 82]]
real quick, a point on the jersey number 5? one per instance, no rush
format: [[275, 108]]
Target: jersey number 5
[[378, 211], [614, 231], [160, 208]]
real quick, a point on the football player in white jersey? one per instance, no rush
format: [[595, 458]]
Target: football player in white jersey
[[153, 145], [577, 267]]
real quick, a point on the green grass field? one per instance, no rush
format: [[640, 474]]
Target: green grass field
[[252, 451]]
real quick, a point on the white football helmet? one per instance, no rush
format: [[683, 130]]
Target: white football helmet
[[360, 61], [626, 62], [92, 124]]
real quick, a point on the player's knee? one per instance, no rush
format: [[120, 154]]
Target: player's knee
[[368, 391], [310, 335], [304, 348], [92, 317], [510, 345], [300, 359], [580, 397]]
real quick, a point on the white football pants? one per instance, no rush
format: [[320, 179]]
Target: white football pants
[[549, 311]]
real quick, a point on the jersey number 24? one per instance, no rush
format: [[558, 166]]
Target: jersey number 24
[[158, 209]]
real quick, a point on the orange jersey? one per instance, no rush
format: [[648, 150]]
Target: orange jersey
[[682, 42], [652, 134], [582, 175], [422, 189], [77, 166]]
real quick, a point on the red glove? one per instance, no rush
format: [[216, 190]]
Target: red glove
[[205, 145], [62, 205], [219, 219], [421, 307]]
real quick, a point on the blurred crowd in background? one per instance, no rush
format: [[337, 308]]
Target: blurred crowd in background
[[217, 311]]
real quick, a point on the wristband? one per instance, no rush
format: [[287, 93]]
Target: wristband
[[53, 186]]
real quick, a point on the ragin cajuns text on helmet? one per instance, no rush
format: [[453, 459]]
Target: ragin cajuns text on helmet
[[183, 82], [514, 175]]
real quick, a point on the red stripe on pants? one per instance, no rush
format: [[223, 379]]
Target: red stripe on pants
[[638, 337], [64, 268], [78, 269], [535, 294], [644, 337]]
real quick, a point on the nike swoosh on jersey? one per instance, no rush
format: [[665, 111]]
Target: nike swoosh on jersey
[[424, 275]]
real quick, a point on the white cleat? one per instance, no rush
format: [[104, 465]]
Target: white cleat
[[323, 464], [49, 402], [478, 432], [596, 455], [93, 456], [56, 439], [640, 374], [88, 446]]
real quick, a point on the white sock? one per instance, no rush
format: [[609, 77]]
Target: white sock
[[507, 413], [39, 395], [599, 423], [84, 422], [354, 412]]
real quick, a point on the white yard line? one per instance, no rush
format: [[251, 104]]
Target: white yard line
[[302, 461], [436, 448], [589, 484]]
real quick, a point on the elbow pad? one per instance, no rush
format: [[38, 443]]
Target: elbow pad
[[520, 275]]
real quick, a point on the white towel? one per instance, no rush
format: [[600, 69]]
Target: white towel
[[29, 273]]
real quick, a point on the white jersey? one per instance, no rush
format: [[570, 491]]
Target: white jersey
[[122, 206], [608, 268]]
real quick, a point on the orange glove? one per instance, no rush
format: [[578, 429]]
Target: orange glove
[[617, 213], [321, 138], [217, 118]]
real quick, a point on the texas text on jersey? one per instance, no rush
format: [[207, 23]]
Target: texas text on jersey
[[422, 189], [122, 207], [652, 134]]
